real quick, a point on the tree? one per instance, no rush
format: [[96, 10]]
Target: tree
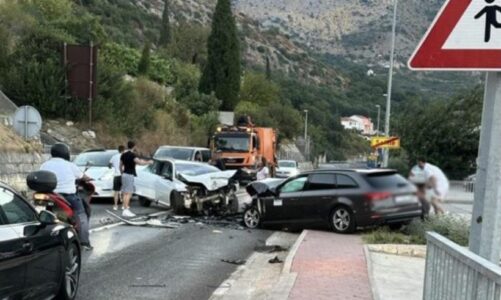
[[258, 90], [144, 62], [189, 43], [268, 68], [222, 72], [165, 32]]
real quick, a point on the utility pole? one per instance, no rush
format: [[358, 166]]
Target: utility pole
[[306, 144], [390, 82], [378, 117]]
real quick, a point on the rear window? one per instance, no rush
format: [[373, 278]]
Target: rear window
[[386, 180]]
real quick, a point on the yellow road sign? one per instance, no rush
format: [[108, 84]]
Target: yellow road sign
[[384, 142]]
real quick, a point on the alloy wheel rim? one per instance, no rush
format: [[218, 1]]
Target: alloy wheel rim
[[341, 219], [251, 218], [72, 274]]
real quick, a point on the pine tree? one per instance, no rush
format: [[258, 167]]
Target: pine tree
[[144, 62], [222, 72], [165, 32], [268, 68]]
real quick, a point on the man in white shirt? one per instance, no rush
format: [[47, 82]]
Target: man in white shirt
[[263, 171], [438, 183], [67, 173], [117, 178]]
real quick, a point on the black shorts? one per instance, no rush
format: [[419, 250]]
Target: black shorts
[[117, 183]]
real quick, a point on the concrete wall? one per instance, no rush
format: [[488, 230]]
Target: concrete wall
[[14, 167]]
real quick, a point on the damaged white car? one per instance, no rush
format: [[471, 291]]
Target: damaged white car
[[187, 187]]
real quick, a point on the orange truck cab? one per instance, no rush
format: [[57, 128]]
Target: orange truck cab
[[242, 147]]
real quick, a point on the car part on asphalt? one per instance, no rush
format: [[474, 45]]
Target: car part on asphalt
[[270, 248], [237, 262], [275, 260]]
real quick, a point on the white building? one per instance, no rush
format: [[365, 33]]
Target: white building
[[358, 123]]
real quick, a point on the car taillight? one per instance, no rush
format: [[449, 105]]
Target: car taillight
[[378, 196]]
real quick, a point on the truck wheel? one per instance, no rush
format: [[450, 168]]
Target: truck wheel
[[177, 203], [144, 202]]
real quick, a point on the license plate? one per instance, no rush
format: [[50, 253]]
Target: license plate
[[405, 199], [277, 202]]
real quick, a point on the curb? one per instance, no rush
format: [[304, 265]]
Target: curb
[[458, 201], [375, 293], [292, 252], [101, 228]]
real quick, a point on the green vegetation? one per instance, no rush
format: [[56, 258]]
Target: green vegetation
[[454, 228], [222, 72], [165, 32]]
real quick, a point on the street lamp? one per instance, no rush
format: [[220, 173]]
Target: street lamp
[[378, 117], [306, 150], [390, 81]]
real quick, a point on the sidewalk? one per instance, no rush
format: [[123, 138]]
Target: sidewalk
[[330, 266]]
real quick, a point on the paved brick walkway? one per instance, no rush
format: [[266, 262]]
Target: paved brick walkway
[[330, 266]]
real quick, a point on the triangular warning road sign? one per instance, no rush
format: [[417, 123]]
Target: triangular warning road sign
[[465, 35]]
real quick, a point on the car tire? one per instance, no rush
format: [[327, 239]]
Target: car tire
[[342, 220], [252, 217], [144, 202], [176, 202], [71, 277]]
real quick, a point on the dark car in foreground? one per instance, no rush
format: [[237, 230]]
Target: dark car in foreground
[[39, 256], [343, 199]]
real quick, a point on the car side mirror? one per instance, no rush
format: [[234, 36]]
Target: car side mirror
[[47, 218]]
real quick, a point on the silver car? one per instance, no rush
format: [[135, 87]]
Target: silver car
[[96, 164]]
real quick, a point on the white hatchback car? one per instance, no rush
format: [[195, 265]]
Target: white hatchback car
[[287, 168]]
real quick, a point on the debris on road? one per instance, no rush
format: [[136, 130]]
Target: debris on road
[[270, 249], [275, 260], [237, 262], [144, 221]]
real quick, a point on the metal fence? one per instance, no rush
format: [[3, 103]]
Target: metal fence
[[453, 272]]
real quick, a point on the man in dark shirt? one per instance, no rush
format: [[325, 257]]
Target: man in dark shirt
[[128, 162]]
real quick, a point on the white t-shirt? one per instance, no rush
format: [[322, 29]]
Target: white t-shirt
[[115, 163], [442, 183], [66, 174], [263, 173]]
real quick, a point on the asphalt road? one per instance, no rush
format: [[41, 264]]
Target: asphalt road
[[130, 262]]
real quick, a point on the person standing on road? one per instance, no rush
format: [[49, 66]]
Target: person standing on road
[[128, 162], [263, 171], [67, 173], [438, 184], [117, 178]]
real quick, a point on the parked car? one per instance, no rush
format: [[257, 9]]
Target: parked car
[[343, 199], [39, 256], [187, 186], [96, 164], [287, 168], [183, 153]]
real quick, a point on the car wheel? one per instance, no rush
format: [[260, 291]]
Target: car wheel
[[69, 284], [252, 217], [144, 202], [177, 203], [342, 220]]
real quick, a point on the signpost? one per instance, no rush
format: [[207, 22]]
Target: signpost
[[384, 142], [465, 36]]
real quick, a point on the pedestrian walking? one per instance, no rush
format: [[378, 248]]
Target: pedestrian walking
[[437, 184], [263, 170], [117, 177], [67, 173], [128, 162]]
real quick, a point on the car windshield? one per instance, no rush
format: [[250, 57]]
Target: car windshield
[[94, 159], [386, 180], [232, 143], [286, 164], [195, 169], [175, 153]]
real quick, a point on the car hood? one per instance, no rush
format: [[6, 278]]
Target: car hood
[[96, 172], [263, 188], [211, 181], [286, 169]]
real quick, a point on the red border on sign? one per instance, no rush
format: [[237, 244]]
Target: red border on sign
[[429, 55]]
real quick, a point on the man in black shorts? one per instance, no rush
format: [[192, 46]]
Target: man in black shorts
[[117, 178]]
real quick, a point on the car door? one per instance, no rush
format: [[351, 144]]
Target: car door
[[41, 251], [281, 208], [319, 192], [348, 192], [164, 183], [12, 261], [145, 181]]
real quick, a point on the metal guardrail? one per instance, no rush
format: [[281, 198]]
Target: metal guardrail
[[453, 272]]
